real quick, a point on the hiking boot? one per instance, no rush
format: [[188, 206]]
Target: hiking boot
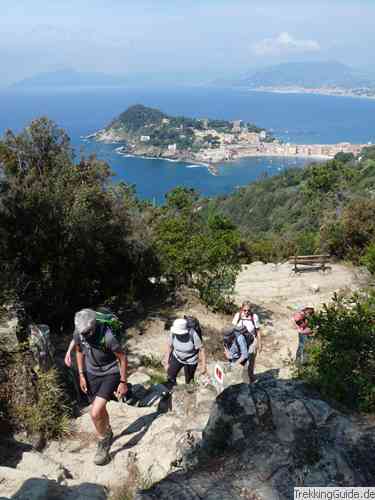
[[103, 447]]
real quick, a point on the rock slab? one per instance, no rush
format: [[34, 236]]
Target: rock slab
[[261, 441]]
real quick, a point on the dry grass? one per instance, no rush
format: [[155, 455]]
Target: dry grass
[[213, 343], [49, 415], [135, 481]]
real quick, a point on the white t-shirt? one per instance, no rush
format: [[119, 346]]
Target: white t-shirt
[[248, 323]]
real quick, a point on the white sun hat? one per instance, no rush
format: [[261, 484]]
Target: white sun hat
[[179, 327], [84, 320]]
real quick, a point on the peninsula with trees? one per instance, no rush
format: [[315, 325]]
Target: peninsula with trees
[[150, 133]]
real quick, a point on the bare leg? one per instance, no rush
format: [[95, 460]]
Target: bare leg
[[100, 417]]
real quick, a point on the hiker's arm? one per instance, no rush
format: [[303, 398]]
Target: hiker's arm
[[80, 363], [306, 331], [227, 354], [122, 388], [236, 318], [256, 324], [202, 359], [68, 357], [167, 354]]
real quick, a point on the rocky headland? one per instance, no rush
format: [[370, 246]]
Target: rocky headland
[[149, 133]]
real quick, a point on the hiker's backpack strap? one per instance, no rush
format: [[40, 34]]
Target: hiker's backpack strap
[[191, 338], [253, 322]]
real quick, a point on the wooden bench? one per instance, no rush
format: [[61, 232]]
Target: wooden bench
[[309, 262]]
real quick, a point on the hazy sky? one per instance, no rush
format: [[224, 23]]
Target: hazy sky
[[187, 39]]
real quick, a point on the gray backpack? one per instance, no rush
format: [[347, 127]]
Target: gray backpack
[[41, 346]]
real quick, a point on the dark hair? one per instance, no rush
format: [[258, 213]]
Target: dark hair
[[228, 336], [308, 310]]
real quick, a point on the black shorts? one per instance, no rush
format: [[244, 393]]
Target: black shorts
[[103, 386]]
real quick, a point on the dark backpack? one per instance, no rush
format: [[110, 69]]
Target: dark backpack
[[193, 324], [242, 330]]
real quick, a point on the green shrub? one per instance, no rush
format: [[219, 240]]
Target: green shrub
[[349, 235], [200, 252], [151, 361], [307, 243], [65, 230], [157, 377], [216, 288], [341, 361], [369, 258], [49, 416]]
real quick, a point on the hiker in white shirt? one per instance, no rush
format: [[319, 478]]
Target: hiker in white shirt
[[246, 318]]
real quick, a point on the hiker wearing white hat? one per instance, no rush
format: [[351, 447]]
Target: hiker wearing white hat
[[184, 350]]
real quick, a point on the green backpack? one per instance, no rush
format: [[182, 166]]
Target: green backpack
[[105, 318]]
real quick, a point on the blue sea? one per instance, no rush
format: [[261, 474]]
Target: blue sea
[[294, 118]]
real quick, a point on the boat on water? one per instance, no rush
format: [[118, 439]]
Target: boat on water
[[213, 169]]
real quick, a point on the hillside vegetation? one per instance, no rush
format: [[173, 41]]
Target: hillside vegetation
[[328, 206], [140, 118], [70, 238], [66, 230], [148, 126]]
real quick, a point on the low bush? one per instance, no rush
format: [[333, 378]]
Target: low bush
[[49, 415], [213, 343], [353, 232], [203, 253], [369, 258], [341, 360], [216, 288], [151, 361]]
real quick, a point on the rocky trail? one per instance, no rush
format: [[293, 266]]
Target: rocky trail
[[151, 440]]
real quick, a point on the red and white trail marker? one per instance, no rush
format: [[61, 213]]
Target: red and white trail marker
[[219, 374]]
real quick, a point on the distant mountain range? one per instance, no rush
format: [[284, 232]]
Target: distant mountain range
[[300, 75], [305, 75], [71, 78]]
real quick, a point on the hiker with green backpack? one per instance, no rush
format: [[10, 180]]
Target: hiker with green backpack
[[102, 368]]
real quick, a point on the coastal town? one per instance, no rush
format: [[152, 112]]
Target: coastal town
[[147, 132], [245, 144]]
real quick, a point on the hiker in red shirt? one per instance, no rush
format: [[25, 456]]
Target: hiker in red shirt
[[305, 334]]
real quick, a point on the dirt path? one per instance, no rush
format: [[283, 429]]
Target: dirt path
[[276, 291], [150, 438]]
